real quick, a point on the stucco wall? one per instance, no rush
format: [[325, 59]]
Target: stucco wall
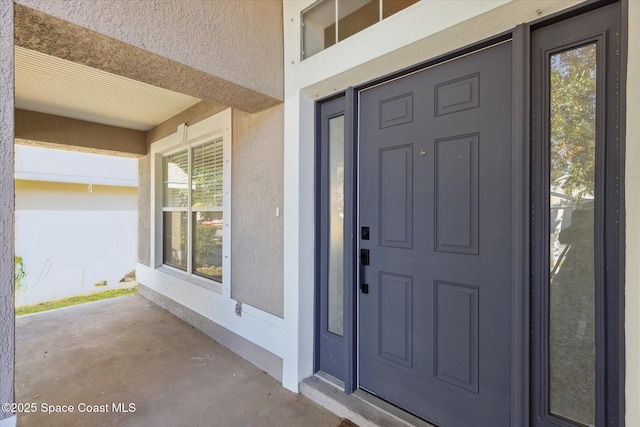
[[191, 115], [71, 239], [46, 164], [632, 183], [6, 205], [87, 136], [50, 35], [257, 202], [238, 41], [144, 210], [257, 209]]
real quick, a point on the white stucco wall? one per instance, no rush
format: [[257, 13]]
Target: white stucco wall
[[76, 222], [70, 239], [46, 164]]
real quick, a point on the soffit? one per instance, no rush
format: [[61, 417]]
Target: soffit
[[51, 85]]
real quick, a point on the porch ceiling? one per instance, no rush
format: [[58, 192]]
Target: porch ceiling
[[52, 85]]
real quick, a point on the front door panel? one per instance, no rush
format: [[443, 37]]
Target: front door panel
[[435, 192]]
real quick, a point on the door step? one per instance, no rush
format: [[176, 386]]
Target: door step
[[362, 408]]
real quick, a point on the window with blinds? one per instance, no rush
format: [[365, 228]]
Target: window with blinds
[[192, 209], [206, 174]]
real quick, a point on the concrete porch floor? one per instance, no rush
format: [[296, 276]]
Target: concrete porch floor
[[130, 351]]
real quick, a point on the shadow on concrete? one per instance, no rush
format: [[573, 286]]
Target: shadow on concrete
[[135, 364]]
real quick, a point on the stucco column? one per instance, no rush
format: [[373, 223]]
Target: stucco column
[[6, 208], [632, 182]]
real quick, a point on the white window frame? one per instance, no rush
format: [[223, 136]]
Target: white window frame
[[336, 22], [185, 138]]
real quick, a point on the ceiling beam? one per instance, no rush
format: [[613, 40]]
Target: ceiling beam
[[44, 33], [51, 131]]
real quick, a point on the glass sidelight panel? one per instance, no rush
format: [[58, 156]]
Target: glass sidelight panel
[[333, 243], [336, 224], [572, 356]]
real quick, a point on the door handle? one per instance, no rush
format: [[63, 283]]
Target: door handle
[[364, 260]]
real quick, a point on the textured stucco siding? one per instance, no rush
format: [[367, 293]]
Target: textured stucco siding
[[194, 114], [7, 202], [65, 133], [632, 183], [71, 238], [257, 196], [238, 41], [144, 210]]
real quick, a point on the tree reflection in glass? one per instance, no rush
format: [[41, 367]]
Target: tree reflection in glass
[[206, 201], [571, 218]]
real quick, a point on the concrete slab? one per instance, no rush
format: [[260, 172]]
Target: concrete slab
[[142, 366]]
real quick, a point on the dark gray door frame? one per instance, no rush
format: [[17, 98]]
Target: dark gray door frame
[[609, 220], [520, 211], [342, 103], [351, 244], [329, 346]]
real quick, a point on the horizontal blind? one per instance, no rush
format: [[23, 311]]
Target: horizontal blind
[[206, 174], [175, 180]]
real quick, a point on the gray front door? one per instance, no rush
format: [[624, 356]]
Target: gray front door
[[435, 193]]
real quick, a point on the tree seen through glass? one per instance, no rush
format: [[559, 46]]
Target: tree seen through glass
[[573, 110]]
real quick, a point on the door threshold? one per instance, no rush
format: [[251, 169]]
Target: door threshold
[[391, 409], [361, 407], [334, 381]]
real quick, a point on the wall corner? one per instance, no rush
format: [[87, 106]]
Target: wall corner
[[7, 279]]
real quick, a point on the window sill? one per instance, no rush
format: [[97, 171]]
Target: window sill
[[191, 279]]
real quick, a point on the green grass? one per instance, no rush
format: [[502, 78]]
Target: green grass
[[66, 302]]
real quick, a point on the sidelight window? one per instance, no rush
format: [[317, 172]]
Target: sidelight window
[[572, 194], [336, 224], [576, 204], [332, 222]]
